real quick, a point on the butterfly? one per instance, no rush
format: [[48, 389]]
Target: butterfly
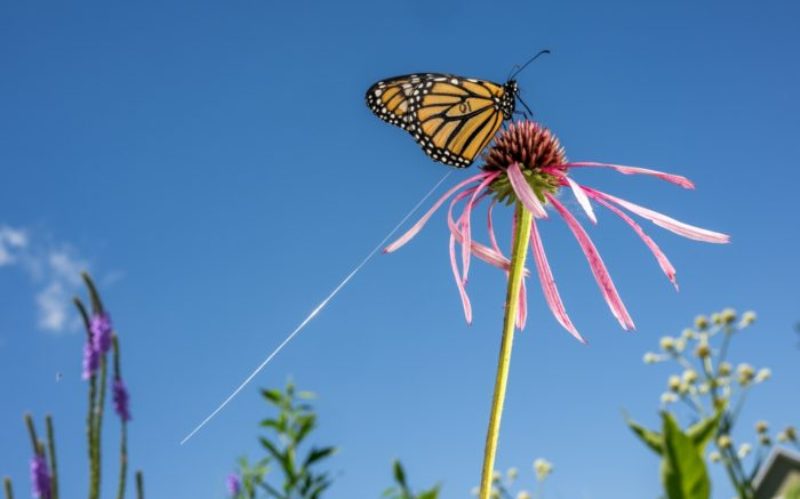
[[451, 117]]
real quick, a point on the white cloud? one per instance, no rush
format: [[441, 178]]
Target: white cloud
[[54, 270], [12, 242]]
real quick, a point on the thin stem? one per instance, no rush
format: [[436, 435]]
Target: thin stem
[[94, 464], [94, 492], [123, 446], [32, 433], [520, 251], [139, 485], [7, 486], [51, 451]]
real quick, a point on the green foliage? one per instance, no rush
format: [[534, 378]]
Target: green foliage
[[793, 492], [287, 451], [683, 469], [401, 489]]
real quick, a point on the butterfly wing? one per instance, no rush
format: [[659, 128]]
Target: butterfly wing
[[452, 118], [390, 100]]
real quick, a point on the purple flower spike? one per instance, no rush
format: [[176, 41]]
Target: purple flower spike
[[40, 477], [234, 484], [91, 360], [121, 400], [100, 326]]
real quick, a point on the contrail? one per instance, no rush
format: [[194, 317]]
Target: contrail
[[316, 310]]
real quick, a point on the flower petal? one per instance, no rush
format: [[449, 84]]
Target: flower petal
[[414, 230], [549, 284], [522, 309], [466, 219], [524, 192], [635, 170], [459, 281], [599, 270], [669, 223], [661, 258], [488, 255], [582, 198]]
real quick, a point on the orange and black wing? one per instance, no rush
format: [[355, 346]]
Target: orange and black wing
[[452, 118]]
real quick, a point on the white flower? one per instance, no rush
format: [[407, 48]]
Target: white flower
[[543, 468], [744, 450], [667, 343], [668, 398], [524, 494], [651, 358], [748, 318], [512, 474], [715, 456], [763, 375]]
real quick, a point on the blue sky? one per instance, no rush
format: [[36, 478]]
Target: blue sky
[[216, 168]]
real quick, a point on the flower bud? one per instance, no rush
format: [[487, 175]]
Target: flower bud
[[724, 442], [748, 318], [763, 375], [725, 369], [744, 450], [667, 343], [674, 383], [690, 376], [543, 468], [715, 456], [728, 316], [745, 373], [701, 322], [762, 426]]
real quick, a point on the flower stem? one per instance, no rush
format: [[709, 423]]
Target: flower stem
[[8, 488], [51, 449], [521, 237], [139, 485]]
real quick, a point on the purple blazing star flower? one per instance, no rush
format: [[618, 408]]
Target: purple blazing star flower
[[234, 484], [121, 400], [91, 360], [40, 477], [100, 326]]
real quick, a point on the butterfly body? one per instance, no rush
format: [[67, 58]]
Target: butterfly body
[[451, 117]]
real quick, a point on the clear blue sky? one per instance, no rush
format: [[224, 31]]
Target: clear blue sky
[[215, 165]]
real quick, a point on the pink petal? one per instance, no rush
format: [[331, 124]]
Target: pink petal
[[465, 220], [634, 170], [459, 281], [661, 258], [524, 192], [583, 200], [522, 310], [596, 264], [549, 284], [414, 230], [488, 255], [490, 225], [669, 223]]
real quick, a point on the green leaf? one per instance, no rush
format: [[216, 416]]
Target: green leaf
[[683, 470], [317, 454], [273, 395], [429, 494], [399, 474], [702, 431], [650, 438]]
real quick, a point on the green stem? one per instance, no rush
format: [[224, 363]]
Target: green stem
[[123, 450], [51, 450], [520, 251], [139, 485], [94, 465], [32, 433], [7, 486], [94, 492]]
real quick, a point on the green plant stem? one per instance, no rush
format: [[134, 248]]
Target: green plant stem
[[32, 433], [94, 491], [51, 450], [7, 486], [139, 485], [123, 446], [518, 255]]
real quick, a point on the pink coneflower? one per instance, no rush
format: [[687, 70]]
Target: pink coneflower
[[527, 164]]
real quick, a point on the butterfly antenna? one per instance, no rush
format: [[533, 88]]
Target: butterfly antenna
[[515, 73], [519, 98]]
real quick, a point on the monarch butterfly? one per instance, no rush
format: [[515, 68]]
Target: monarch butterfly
[[451, 117]]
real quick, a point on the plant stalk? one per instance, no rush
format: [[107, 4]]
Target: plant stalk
[[520, 250]]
